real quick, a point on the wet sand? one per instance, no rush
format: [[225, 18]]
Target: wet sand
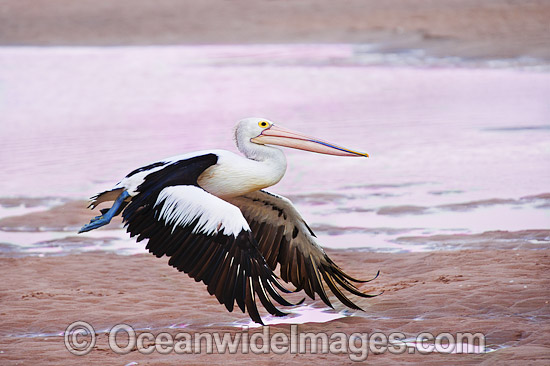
[[503, 294], [464, 28]]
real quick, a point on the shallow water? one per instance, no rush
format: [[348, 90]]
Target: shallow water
[[454, 151]]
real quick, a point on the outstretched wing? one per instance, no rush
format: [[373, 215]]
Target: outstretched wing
[[284, 237], [204, 236]]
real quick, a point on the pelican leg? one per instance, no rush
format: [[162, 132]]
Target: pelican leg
[[106, 217]]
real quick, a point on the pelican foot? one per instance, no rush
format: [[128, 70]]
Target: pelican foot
[[104, 219], [95, 223]]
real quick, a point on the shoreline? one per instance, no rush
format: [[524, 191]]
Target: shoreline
[[299, 55], [501, 293]]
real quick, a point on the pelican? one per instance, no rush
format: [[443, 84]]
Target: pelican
[[209, 213]]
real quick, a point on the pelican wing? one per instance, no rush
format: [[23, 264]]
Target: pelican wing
[[285, 238], [204, 236]]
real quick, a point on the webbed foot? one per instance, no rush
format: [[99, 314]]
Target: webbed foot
[[95, 223], [107, 215]]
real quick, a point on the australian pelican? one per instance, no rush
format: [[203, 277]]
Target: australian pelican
[[208, 212]]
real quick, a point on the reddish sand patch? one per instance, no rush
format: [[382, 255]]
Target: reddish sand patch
[[503, 294]]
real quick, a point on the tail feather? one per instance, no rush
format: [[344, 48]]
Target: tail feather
[[106, 196]]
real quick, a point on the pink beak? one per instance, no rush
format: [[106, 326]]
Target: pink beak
[[276, 135]]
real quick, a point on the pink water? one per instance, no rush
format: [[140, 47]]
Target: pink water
[[453, 150]]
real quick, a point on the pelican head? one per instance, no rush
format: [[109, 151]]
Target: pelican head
[[261, 131]]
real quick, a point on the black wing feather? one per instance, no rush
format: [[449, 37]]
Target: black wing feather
[[232, 267], [285, 238]]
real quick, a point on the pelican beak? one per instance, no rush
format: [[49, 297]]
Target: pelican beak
[[280, 136]]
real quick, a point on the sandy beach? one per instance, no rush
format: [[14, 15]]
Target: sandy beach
[[504, 295], [452, 207]]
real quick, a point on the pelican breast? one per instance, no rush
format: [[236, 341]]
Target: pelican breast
[[234, 176]]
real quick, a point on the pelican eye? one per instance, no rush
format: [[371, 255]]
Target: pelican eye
[[263, 124]]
